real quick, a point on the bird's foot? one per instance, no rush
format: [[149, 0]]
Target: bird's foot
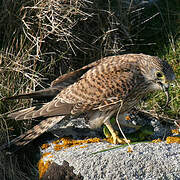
[[112, 135], [117, 140]]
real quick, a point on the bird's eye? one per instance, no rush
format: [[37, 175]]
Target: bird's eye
[[159, 74]]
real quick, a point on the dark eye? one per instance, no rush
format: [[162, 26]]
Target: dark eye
[[159, 74]]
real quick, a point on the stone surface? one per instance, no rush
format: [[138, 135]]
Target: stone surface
[[147, 161]]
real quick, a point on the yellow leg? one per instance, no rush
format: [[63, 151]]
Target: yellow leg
[[116, 139]]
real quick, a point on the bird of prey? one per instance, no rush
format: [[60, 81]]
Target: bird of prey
[[98, 90]]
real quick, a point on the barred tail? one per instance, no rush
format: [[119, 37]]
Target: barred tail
[[31, 134]]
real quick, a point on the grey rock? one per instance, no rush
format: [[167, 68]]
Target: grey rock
[[147, 161]]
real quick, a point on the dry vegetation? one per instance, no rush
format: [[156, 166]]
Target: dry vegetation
[[41, 39]]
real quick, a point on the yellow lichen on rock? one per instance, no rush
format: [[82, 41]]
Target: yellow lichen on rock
[[42, 167], [46, 154], [57, 141], [173, 140], [45, 146], [84, 146], [157, 140], [67, 142], [175, 131]]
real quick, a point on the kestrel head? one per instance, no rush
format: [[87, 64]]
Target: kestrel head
[[158, 73]]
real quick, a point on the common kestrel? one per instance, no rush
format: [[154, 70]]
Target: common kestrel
[[99, 90]]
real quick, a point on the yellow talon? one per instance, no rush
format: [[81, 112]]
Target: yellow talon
[[118, 140], [114, 135]]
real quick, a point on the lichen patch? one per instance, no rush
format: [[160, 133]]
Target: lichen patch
[[67, 143], [170, 140], [42, 167]]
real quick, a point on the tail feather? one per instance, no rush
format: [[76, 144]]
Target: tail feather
[[41, 94], [43, 110], [31, 134], [25, 113]]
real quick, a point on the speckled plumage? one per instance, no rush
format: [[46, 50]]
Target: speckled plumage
[[98, 89]]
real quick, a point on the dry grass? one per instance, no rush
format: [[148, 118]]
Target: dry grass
[[10, 168]]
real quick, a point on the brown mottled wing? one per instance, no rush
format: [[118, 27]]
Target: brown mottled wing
[[101, 87], [31, 134], [71, 77]]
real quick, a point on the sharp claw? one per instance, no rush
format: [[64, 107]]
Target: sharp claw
[[113, 135], [117, 140]]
